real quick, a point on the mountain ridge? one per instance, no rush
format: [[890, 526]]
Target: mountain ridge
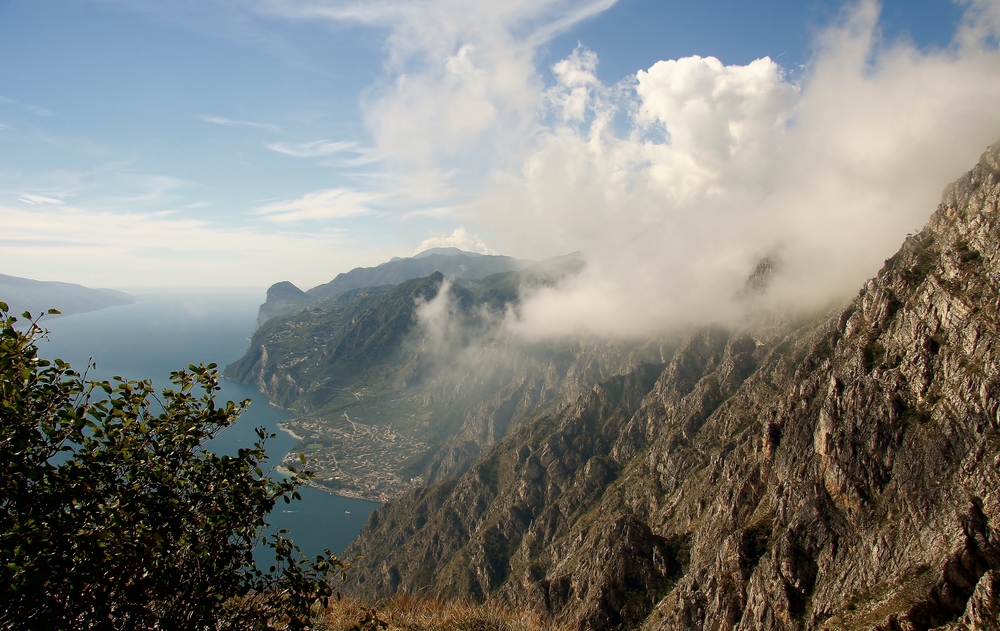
[[284, 298], [38, 296]]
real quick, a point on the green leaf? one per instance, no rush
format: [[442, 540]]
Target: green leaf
[[137, 515]]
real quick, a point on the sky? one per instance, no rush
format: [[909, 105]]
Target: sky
[[238, 143]]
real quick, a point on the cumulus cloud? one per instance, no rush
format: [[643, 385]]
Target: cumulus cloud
[[982, 22], [720, 121], [459, 238], [576, 87], [487, 94], [332, 203]]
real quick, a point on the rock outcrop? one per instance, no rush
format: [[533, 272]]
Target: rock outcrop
[[282, 298], [840, 472]]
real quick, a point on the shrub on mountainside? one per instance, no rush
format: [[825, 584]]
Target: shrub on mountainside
[[114, 515]]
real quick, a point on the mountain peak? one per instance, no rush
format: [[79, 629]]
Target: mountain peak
[[440, 251]]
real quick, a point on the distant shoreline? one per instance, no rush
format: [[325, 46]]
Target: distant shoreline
[[285, 429]]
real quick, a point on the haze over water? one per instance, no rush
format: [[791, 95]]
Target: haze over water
[[166, 331]]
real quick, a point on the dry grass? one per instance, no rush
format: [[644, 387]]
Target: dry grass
[[410, 613]]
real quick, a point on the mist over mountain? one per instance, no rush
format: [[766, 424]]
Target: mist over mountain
[[24, 294], [830, 471]]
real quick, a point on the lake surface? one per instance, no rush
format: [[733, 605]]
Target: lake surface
[[166, 331]]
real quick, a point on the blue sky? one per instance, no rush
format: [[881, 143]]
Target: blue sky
[[241, 142]]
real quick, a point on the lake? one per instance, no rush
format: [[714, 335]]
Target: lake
[[166, 331]]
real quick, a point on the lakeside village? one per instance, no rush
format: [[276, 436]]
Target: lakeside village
[[352, 459]]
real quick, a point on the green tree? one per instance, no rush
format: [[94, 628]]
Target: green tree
[[114, 515]]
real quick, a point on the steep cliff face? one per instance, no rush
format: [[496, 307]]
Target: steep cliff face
[[841, 472]]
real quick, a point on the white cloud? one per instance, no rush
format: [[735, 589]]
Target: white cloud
[[229, 122], [314, 149], [333, 203], [349, 153], [721, 121], [673, 183], [982, 22], [577, 86], [459, 238], [439, 326], [476, 98], [38, 200]]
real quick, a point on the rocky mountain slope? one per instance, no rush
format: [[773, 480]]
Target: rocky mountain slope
[[840, 472]]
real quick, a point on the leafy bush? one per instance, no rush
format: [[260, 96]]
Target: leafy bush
[[114, 515]]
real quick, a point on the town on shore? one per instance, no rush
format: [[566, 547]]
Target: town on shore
[[353, 459]]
